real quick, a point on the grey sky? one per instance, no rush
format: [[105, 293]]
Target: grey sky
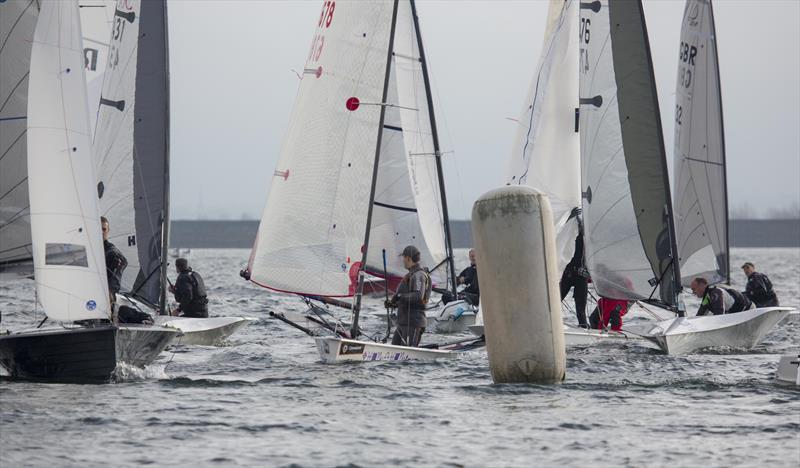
[[233, 91]]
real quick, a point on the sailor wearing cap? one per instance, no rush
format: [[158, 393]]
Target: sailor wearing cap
[[410, 299]]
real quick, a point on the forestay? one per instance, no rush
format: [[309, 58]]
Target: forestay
[[312, 229], [67, 248], [546, 152], [97, 16], [17, 25], [626, 200], [131, 144], [701, 203]]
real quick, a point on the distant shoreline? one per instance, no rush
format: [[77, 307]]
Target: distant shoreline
[[224, 234]]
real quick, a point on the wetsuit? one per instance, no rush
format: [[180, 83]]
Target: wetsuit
[[190, 292], [719, 300], [115, 266], [411, 298], [759, 290], [576, 278]]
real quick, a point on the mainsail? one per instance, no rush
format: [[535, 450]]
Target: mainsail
[[131, 144], [546, 152], [97, 16], [17, 25], [701, 202], [629, 236], [361, 151], [67, 249]]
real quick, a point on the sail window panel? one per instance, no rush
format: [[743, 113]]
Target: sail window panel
[[66, 254]]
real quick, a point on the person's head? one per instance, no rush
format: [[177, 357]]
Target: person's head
[[104, 226], [748, 268], [472, 259], [181, 264], [699, 286], [410, 256]]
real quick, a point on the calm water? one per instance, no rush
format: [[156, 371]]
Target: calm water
[[266, 400]]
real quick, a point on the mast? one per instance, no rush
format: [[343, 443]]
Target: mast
[[676, 274], [727, 265], [165, 217], [365, 249], [436, 148]]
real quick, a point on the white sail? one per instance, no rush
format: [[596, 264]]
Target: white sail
[[701, 207], [131, 142], [546, 151], [17, 25], [415, 116], [313, 226], [67, 249], [395, 220], [626, 204], [97, 16]]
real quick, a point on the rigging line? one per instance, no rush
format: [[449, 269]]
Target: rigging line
[[602, 216], [3, 196], [536, 89], [11, 93], [16, 217], [661, 278], [394, 207], [703, 162], [14, 26], [14, 248]]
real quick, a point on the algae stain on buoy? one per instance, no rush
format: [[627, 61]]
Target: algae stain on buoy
[[514, 240]]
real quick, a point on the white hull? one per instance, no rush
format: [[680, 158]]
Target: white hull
[[788, 369], [455, 317], [334, 350], [683, 335], [211, 331], [583, 337]]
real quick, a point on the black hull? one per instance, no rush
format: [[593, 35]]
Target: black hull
[[80, 354]]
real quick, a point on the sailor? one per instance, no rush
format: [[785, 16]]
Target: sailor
[[190, 291], [718, 299], [576, 277], [115, 261], [410, 299], [608, 312], [759, 287], [468, 277]]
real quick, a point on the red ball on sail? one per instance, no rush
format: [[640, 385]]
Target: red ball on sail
[[352, 103]]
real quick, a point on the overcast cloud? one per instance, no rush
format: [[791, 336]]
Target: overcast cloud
[[233, 89]]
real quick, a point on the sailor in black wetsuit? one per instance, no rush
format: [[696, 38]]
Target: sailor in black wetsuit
[[115, 262], [468, 277], [411, 299], [576, 277], [718, 299], [759, 287], [190, 291]]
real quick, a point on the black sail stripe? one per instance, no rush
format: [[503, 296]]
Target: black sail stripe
[[395, 207]]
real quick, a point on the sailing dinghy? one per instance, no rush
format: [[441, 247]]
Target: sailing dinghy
[[360, 173], [131, 156], [44, 46], [701, 202]]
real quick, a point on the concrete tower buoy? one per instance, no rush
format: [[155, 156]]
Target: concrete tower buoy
[[514, 240]]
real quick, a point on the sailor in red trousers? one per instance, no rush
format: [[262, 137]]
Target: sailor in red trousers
[[608, 312]]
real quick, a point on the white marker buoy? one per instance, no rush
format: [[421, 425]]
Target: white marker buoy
[[514, 240]]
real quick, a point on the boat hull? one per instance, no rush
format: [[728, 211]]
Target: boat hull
[[788, 369], [80, 354], [583, 337], [334, 350], [455, 317], [212, 331], [684, 335]]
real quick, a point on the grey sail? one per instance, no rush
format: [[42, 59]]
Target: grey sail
[[131, 144], [629, 236], [701, 202], [17, 25]]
